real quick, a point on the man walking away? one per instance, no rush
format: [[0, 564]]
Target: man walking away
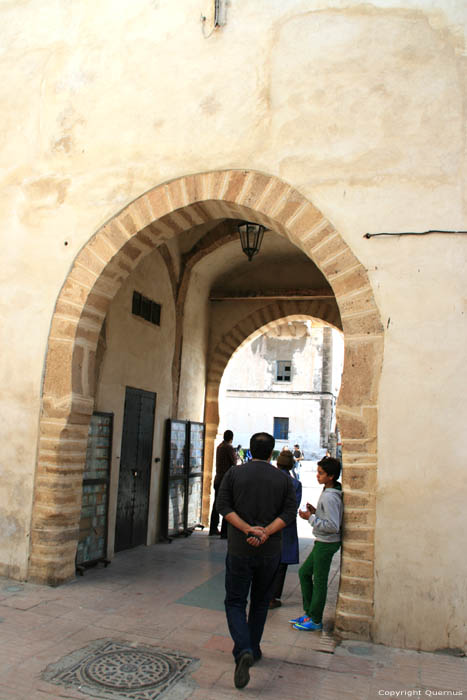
[[226, 457], [257, 500]]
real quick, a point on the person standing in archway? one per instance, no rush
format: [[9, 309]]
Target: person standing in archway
[[226, 457], [290, 547], [298, 457], [326, 521]]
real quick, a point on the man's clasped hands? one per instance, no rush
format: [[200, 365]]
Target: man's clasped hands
[[256, 535]]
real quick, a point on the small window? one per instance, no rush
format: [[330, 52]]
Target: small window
[[283, 371], [156, 314], [146, 308], [281, 428], [136, 307]]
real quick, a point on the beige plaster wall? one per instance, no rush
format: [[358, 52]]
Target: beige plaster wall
[[422, 484], [360, 107], [138, 354], [194, 350]]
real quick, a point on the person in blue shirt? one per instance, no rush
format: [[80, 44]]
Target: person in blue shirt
[[290, 550]]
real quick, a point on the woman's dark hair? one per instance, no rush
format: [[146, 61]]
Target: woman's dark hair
[[331, 466], [261, 445], [285, 460], [228, 436]]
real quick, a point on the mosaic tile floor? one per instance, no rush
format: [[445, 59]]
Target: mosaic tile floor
[[114, 670]]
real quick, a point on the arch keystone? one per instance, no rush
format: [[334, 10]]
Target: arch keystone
[[254, 189], [233, 185]]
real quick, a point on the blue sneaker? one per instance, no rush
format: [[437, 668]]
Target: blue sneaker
[[308, 624], [297, 620]]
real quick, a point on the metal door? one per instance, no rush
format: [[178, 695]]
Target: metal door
[[135, 469]]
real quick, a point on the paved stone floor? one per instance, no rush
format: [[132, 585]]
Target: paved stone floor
[[151, 626], [168, 598]]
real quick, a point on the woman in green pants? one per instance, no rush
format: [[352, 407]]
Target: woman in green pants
[[326, 520]]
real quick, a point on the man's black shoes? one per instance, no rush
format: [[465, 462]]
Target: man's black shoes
[[242, 669]]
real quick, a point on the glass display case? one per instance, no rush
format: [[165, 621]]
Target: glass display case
[[92, 541], [184, 476]]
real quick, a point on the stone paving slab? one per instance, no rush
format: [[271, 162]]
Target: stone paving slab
[[136, 601]]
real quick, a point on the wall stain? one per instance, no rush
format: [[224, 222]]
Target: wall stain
[[47, 191], [67, 122], [210, 105], [64, 144]]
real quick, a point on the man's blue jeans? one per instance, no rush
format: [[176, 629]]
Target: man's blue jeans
[[243, 576]]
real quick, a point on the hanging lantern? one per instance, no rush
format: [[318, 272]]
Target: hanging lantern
[[251, 236]]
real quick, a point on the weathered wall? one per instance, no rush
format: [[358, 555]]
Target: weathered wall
[[138, 354], [194, 351], [252, 369], [361, 108], [254, 366]]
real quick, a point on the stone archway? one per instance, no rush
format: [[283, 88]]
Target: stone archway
[[250, 327], [97, 273]]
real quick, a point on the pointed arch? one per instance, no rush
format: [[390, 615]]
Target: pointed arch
[[98, 272]]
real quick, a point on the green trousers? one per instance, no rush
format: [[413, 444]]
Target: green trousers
[[313, 576]]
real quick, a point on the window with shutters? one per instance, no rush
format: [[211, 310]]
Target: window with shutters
[[281, 428], [283, 370], [146, 308]]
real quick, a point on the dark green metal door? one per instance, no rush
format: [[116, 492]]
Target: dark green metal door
[[135, 469]]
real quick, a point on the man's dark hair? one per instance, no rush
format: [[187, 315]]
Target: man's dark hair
[[331, 466], [228, 436], [261, 445]]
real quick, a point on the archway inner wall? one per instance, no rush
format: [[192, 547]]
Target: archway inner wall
[[98, 271]]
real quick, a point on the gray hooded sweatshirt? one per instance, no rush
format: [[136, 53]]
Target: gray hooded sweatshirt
[[327, 520]]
